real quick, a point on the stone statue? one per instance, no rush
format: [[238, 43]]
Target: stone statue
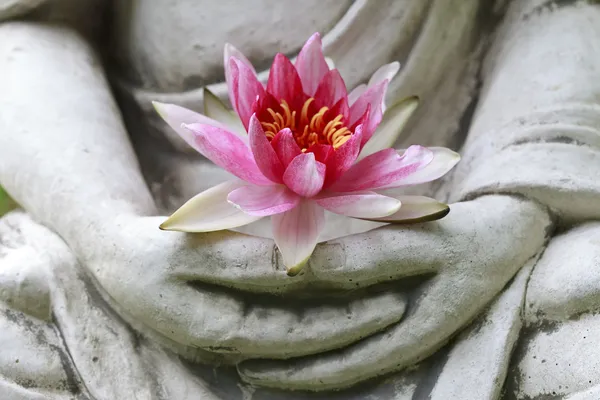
[[497, 300]]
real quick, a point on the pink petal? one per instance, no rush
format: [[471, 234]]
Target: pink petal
[[209, 211], [175, 116], [244, 89], [356, 93], [215, 109], [383, 168], [373, 98], [360, 204], [394, 120], [284, 82], [231, 51], [305, 175], [322, 152], [227, 151], [264, 155], [285, 146], [263, 200], [443, 161], [331, 89], [385, 72], [311, 64], [340, 160], [296, 233], [415, 209], [341, 107]]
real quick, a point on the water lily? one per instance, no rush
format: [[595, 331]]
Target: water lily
[[302, 145]]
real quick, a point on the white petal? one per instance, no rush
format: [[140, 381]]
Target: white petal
[[416, 209], [296, 233], [360, 204], [394, 121], [209, 211], [330, 63], [337, 226], [387, 71], [215, 109], [443, 161], [356, 93]]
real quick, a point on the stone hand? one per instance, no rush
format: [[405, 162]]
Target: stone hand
[[153, 276], [100, 207], [472, 253], [82, 180], [469, 256]]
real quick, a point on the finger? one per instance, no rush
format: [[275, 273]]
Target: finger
[[446, 303], [444, 308], [394, 252], [478, 359], [226, 322], [385, 254], [254, 264], [223, 258]]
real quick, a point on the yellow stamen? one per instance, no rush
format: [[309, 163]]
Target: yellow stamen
[[308, 130]]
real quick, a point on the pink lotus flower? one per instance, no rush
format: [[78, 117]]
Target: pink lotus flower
[[304, 146]]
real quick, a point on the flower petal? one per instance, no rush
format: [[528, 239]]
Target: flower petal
[[383, 168], [331, 89], [244, 89], [231, 51], [263, 152], [175, 116], [285, 146], [284, 82], [394, 120], [340, 160], [228, 151], [443, 161], [209, 211], [356, 93], [311, 64], [360, 204], [296, 232], [385, 72], [330, 62], [373, 98], [415, 209], [215, 109], [263, 200], [336, 226], [305, 175]]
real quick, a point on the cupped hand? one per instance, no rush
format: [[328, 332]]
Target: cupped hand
[[473, 253]]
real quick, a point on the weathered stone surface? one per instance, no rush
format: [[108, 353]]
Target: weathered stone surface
[[497, 300]]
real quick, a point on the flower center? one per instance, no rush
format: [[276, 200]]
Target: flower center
[[309, 127]]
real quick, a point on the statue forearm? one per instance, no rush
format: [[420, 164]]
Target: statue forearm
[[61, 129], [536, 128]]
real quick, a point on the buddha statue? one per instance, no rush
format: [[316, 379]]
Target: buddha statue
[[497, 300]]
